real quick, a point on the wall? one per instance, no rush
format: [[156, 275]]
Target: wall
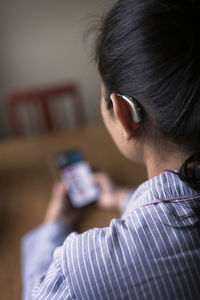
[[42, 43]]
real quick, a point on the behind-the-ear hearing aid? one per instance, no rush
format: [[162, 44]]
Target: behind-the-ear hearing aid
[[136, 109]]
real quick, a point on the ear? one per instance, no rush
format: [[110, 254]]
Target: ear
[[123, 113]]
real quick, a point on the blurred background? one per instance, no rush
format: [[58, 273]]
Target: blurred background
[[42, 45], [49, 103]]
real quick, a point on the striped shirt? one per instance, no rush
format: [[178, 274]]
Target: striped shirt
[[152, 252]]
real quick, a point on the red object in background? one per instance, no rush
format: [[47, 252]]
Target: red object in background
[[44, 97]]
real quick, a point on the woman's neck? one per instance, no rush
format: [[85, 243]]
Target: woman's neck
[[158, 163]]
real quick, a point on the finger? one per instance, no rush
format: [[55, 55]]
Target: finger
[[101, 178], [103, 181], [97, 176]]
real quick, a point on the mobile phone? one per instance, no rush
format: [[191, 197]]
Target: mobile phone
[[76, 173]]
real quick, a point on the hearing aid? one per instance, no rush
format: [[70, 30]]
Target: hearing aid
[[136, 109]]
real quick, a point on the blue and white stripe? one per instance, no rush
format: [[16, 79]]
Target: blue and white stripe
[[152, 252]]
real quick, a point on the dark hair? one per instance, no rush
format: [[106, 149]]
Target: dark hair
[[150, 50]]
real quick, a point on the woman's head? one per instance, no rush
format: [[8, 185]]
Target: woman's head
[[150, 50]]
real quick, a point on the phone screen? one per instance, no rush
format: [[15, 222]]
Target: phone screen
[[77, 175]]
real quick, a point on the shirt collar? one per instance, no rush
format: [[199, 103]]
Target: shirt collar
[[164, 187]]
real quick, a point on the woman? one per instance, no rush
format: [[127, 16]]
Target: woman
[[148, 57]]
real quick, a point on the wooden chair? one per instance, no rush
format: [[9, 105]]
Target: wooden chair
[[45, 102]]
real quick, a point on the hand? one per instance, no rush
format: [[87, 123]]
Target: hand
[[111, 196], [59, 208]]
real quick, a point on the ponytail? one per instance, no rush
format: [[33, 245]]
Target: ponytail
[[188, 173]]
